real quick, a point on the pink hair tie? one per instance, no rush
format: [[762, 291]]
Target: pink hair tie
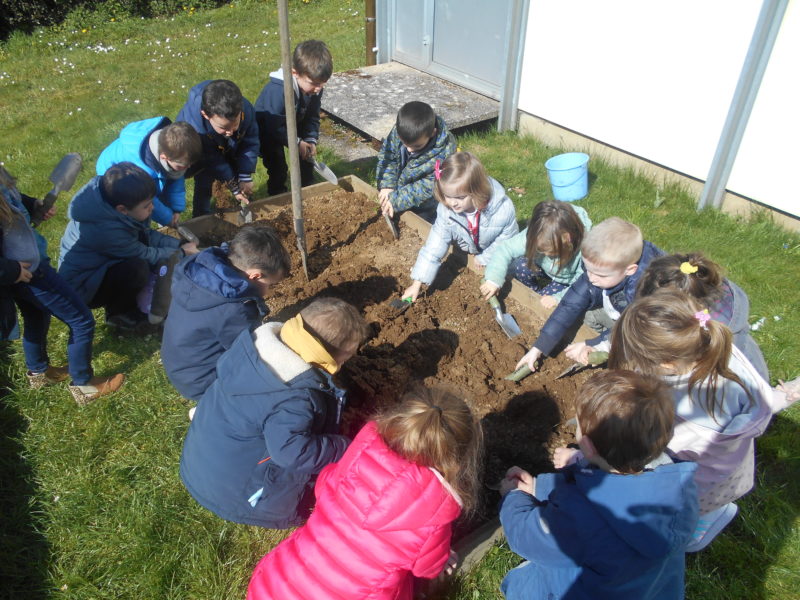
[[703, 317], [437, 169]]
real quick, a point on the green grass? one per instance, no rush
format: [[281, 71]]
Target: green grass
[[91, 505]]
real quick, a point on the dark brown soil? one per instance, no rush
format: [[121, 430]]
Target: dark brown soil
[[448, 336]]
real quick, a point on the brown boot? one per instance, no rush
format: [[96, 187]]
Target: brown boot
[[96, 387], [50, 376]]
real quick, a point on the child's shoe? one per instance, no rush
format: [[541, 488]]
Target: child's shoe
[[709, 526], [50, 376], [191, 413], [95, 388], [129, 321]]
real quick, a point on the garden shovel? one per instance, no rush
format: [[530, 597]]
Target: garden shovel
[[401, 304], [321, 168], [245, 215], [505, 320], [63, 178], [595, 360]]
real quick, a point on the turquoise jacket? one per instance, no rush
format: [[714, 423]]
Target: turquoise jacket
[[508, 250]]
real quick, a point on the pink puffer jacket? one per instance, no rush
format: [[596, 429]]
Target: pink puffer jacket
[[379, 520]]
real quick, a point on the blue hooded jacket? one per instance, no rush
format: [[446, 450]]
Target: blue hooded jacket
[[271, 112], [261, 433], [133, 145], [212, 303], [597, 535], [221, 155], [98, 236]]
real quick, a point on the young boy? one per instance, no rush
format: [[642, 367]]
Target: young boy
[[408, 159], [614, 522], [108, 248], [268, 424], [227, 126], [215, 295], [312, 66], [614, 258], [165, 150]]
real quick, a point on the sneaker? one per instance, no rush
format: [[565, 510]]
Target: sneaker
[[191, 412], [129, 321], [95, 388], [709, 526], [50, 376]]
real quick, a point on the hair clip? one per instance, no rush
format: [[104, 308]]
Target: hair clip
[[688, 268], [703, 317], [437, 169]]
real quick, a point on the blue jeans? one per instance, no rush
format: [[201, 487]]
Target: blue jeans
[[48, 294]]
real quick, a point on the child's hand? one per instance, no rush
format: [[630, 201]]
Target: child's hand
[[549, 301], [174, 221], [49, 214], [24, 275], [189, 248], [579, 352], [564, 456], [386, 203], [529, 359], [412, 291], [518, 479], [246, 188], [488, 289]]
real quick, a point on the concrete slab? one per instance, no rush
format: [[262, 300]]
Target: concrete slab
[[367, 99]]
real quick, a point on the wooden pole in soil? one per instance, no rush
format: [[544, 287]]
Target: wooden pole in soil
[[291, 133]]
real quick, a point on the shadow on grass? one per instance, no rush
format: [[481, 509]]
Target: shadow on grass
[[23, 550]]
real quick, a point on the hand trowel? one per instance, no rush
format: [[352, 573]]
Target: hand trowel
[[63, 178], [321, 168]]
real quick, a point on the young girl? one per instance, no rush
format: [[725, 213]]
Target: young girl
[[384, 511], [702, 279], [722, 404], [473, 211], [549, 248], [28, 280]]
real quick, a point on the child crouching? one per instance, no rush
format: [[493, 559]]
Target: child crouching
[[615, 523], [384, 511]]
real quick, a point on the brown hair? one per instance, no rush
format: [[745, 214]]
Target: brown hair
[[466, 172], [336, 323], [704, 281], [180, 140], [613, 243], [127, 184], [313, 59], [549, 223], [627, 416], [258, 246], [7, 181], [435, 428], [662, 329]]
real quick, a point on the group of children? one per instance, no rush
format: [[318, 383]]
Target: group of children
[[665, 436]]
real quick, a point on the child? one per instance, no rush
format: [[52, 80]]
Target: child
[[721, 402], [614, 258], [473, 211], [227, 126], [614, 524], [215, 295], [108, 247], [405, 173], [702, 279], [550, 244], [312, 66], [384, 511], [165, 150], [268, 424], [28, 280]]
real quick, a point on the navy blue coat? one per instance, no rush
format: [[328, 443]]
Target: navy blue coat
[[212, 303], [583, 296], [271, 112], [261, 433], [593, 535], [221, 155]]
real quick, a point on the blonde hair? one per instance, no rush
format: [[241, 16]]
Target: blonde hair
[[692, 273], [613, 243], [336, 323], [549, 222], [435, 428], [464, 171], [668, 327]]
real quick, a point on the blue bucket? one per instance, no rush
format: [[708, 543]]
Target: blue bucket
[[569, 176]]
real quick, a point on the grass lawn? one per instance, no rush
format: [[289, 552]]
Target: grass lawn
[[91, 505]]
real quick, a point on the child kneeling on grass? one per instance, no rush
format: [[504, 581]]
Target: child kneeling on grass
[[216, 294], [108, 248], [269, 422], [613, 522], [384, 512], [28, 281], [721, 402], [473, 211]]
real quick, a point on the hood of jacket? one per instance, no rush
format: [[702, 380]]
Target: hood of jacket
[[208, 279]]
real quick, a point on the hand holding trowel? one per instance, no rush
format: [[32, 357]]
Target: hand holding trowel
[[63, 178], [321, 168]]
